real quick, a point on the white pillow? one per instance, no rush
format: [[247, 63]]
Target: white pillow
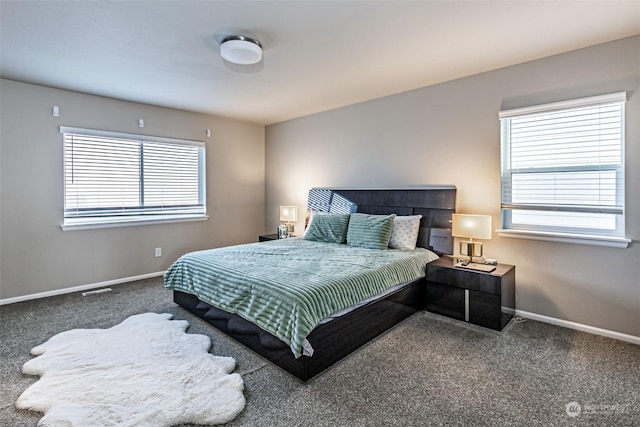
[[404, 234], [311, 215]]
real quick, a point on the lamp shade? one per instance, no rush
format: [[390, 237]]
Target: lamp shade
[[288, 213], [471, 226], [241, 50]]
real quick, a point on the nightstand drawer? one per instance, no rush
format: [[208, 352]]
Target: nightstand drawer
[[445, 300], [472, 280], [484, 310]]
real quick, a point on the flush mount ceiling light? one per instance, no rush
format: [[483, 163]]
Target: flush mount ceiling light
[[241, 50]]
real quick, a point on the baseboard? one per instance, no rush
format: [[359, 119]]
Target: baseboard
[[526, 314], [507, 310], [6, 301], [579, 327]]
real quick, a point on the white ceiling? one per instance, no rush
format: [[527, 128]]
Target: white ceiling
[[318, 55]]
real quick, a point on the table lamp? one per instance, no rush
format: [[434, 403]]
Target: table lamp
[[288, 215], [471, 227]]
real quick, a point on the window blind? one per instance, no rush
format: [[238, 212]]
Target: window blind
[[563, 165], [111, 176]]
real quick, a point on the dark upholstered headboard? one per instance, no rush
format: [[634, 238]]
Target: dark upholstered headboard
[[436, 204]]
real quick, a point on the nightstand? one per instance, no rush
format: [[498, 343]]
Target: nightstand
[[485, 299], [267, 237]]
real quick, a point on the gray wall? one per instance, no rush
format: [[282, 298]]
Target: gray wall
[[37, 256], [449, 134]]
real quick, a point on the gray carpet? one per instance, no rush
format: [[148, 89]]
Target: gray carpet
[[429, 370]]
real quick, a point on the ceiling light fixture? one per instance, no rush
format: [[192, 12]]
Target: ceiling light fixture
[[241, 50]]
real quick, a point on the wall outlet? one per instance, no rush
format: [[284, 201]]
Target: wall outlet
[[158, 252]]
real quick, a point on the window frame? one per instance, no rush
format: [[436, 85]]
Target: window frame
[[601, 237], [80, 222]]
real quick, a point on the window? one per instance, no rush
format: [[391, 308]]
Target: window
[[563, 167], [113, 178]]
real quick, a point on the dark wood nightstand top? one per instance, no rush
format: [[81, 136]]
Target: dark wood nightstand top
[[267, 237], [448, 262]]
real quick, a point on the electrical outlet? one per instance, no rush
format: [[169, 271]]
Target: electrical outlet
[[158, 252]]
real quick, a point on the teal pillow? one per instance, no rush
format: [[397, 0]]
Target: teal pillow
[[370, 231], [328, 228]]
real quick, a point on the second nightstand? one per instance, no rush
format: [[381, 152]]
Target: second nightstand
[[485, 299], [267, 237]]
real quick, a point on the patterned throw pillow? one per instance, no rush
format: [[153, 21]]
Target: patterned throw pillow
[[405, 232], [369, 231], [330, 228]]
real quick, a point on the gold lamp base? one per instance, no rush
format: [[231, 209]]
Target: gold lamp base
[[470, 249]]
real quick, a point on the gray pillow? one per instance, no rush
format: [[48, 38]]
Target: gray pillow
[[330, 228], [370, 231]]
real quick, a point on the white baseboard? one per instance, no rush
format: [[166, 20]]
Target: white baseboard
[[579, 327], [526, 314], [79, 288], [507, 310]]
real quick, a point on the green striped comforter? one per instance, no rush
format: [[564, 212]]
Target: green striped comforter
[[287, 286]]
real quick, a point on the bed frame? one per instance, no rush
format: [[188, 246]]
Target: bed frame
[[337, 338]]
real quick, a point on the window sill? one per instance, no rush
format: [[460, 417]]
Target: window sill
[[581, 239], [83, 224]]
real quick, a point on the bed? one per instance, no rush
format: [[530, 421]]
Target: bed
[[306, 338]]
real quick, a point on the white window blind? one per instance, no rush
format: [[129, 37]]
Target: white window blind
[[563, 166], [112, 176]]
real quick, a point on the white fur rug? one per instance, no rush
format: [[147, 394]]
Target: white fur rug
[[146, 371]]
